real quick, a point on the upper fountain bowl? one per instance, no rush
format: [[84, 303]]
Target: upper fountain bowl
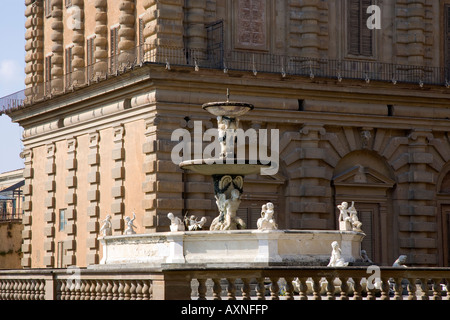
[[228, 108]]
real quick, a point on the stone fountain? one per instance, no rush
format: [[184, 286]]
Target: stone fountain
[[228, 241]]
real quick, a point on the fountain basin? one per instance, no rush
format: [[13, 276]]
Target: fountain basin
[[243, 247], [223, 166], [228, 108]]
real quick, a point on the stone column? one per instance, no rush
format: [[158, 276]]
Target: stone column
[[101, 38], [34, 47], [195, 24], [50, 214], [78, 39], [118, 174], [93, 210], [127, 33], [71, 202], [57, 72], [163, 30], [27, 221]]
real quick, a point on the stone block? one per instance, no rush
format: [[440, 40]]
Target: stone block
[[93, 159], [93, 211], [92, 226], [49, 216], [118, 192], [117, 208], [49, 245], [50, 186], [93, 195], [118, 154], [118, 173], [94, 177]]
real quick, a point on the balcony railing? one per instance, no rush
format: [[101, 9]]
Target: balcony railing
[[228, 60], [10, 215], [274, 283]]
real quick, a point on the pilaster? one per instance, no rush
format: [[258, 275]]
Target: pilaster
[[57, 36], [118, 175], [101, 38], [78, 39], [50, 209], [34, 49], [71, 203], [27, 220], [93, 210]]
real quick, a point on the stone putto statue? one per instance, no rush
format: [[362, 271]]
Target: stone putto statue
[[400, 262], [192, 224], [176, 223], [267, 222], [106, 228], [336, 260], [348, 218], [129, 225]]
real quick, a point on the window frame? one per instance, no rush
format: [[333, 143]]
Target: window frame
[[362, 24]]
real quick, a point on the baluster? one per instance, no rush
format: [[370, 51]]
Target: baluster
[[246, 289], [201, 289], [385, 288], [289, 288], [316, 288], [217, 289], [274, 289], [398, 289], [330, 288], [357, 289], [72, 288], [412, 289], [132, 290], [121, 288], [27, 292], [437, 289], [42, 290], [344, 288], [424, 287], [93, 290], [87, 290], [2, 289], [115, 290], [83, 290], [18, 290], [109, 293], [370, 291], [103, 290], [62, 289], [231, 289], [260, 289], [303, 288], [8, 290], [138, 290], [77, 289], [145, 290], [126, 291], [98, 290]]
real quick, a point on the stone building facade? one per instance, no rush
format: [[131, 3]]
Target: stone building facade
[[363, 116]]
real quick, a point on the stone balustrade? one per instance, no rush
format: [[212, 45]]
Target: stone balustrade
[[184, 283]]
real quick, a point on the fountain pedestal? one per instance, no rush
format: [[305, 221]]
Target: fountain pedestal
[[242, 247]]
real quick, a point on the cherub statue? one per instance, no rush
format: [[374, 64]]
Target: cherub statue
[[267, 222], [400, 262], [129, 224], [106, 228], [344, 217], [176, 223], [193, 224], [335, 259], [356, 224]]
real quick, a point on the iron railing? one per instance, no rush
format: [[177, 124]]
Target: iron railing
[[228, 60], [11, 215]]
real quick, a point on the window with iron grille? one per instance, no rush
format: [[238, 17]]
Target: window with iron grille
[[48, 8], [90, 59], [48, 73], [359, 37], [114, 47], [447, 42], [68, 65]]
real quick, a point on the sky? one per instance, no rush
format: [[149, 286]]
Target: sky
[[12, 77]]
